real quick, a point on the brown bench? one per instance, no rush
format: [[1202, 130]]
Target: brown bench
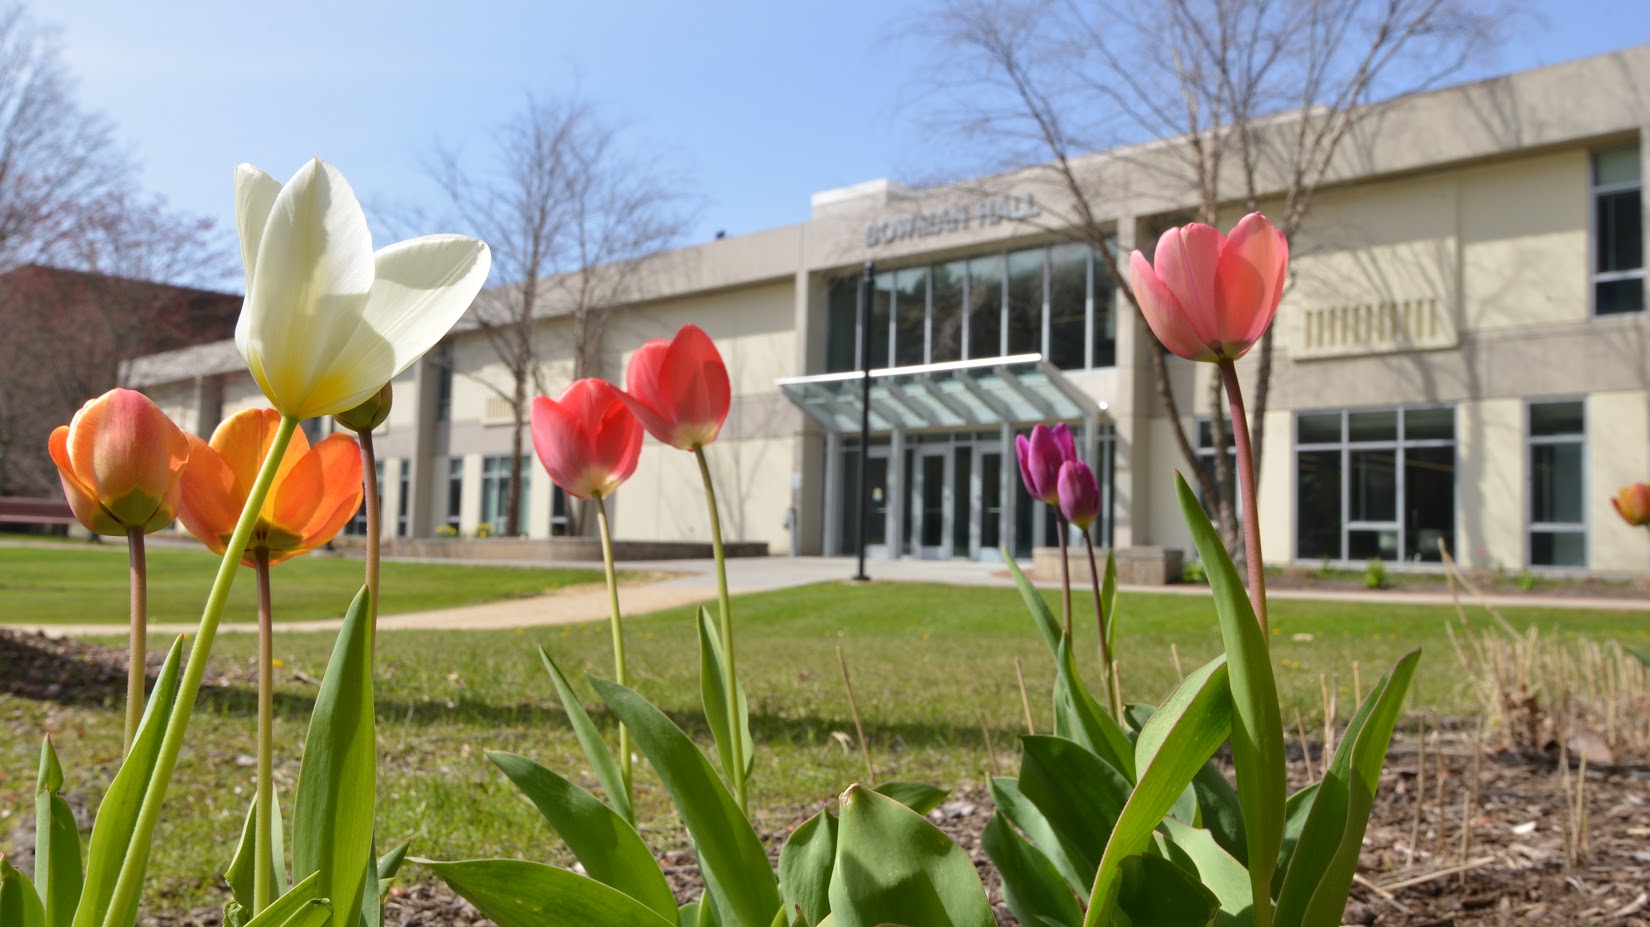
[[27, 510]]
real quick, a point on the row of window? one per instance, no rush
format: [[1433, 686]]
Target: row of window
[[1055, 301], [1618, 231], [495, 495], [1382, 484]]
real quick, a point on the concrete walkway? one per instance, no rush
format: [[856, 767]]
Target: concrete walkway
[[684, 583]]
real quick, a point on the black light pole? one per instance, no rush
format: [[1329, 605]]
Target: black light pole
[[865, 285]]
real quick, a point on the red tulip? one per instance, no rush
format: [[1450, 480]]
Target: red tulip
[[317, 490], [679, 389], [587, 439], [1633, 504], [121, 461], [1079, 494], [1040, 457], [1209, 297]]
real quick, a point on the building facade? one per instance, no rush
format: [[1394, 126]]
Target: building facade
[[1461, 356]]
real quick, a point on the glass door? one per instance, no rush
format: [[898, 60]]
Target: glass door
[[932, 495], [989, 463]]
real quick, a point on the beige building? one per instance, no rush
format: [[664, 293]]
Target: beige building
[[1461, 356]]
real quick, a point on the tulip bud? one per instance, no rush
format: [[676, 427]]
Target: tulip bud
[[370, 414], [1079, 494], [1633, 504], [121, 461], [679, 389], [1040, 457]]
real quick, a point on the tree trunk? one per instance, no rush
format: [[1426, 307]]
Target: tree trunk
[[512, 512]]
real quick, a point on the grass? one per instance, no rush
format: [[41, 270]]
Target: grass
[[86, 584], [933, 670]]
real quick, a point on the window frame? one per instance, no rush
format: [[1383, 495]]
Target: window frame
[[1531, 526], [1399, 444], [1595, 190]]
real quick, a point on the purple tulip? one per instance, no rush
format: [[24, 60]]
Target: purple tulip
[[1079, 494], [1040, 457]]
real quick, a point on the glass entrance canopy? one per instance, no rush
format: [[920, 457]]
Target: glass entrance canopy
[[958, 394]]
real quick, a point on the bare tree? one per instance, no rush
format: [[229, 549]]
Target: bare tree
[[54, 156], [570, 214], [1254, 97]]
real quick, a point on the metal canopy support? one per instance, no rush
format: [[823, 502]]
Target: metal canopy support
[[1043, 406]]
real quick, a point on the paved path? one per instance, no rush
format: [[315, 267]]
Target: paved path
[[686, 582]]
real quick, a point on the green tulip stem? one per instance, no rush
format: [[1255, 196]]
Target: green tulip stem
[[1251, 508], [1113, 698], [123, 902], [615, 621], [375, 522], [1065, 572], [137, 665], [263, 813], [736, 733]]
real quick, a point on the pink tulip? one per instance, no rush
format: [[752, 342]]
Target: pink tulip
[[1207, 296], [679, 389], [1040, 457], [1079, 494], [121, 461], [586, 438]]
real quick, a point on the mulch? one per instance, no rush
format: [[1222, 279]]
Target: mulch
[[1481, 837]]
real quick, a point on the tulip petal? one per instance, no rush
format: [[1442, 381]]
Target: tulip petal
[[1163, 312], [314, 274], [212, 496], [420, 290], [561, 445], [618, 441], [255, 193], [696, 383], [82, 499], [1186, 260], [125, 449], [643, 392], [1079, 494], [1249, 283], [245, 438]]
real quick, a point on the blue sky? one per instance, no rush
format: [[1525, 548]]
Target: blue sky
[[760, 102]]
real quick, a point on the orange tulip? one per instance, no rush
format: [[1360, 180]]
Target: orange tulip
[[120, 459], [317, 490], [1207, 296], [679, 389], [1633, 504]]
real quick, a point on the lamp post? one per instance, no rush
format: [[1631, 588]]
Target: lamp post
[[865, 284]]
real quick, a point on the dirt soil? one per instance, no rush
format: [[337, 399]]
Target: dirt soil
[[1528, 857]]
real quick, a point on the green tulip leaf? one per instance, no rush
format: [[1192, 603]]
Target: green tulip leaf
[[300, 907], [241, 866], [1022, 813], [1032, 887], [1080, 794], [609, 848], [1196, 850], [1324, 860], [1108, 595], [57, 874], [1088, 721], [595, 748], [805, 865], [893, 867], [1178, 740], [1046, 623], [918, 796], [117, 814], [1641, 653], [736, 867], [332, 811], [712, 672], [517, 893], [1257, 726], [1295, 813], [1157, 893], [1220, 810], [19, 899]]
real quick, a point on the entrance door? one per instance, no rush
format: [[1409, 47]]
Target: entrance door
[[989, 463], [933, 509]]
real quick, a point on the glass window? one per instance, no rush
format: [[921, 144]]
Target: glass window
[[1068, 285], [1374, 494], [1105, 321], [443, 381], [1558, 529], [985, 306], [560, 523], [357, 526], [842, 325], [455, 491], [882, 319], [1025, 301], [945, 326], [1618, 231], [495, 493], [911, 316], [404, 501]]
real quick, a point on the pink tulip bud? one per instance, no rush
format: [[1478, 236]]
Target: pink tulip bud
[[121, 461], [1633, 504], [1079, 494], [1040, 457]]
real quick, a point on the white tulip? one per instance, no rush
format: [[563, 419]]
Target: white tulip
[[327, 322]]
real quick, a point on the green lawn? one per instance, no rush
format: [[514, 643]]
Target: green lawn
[[86, 583], [931, 666]]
